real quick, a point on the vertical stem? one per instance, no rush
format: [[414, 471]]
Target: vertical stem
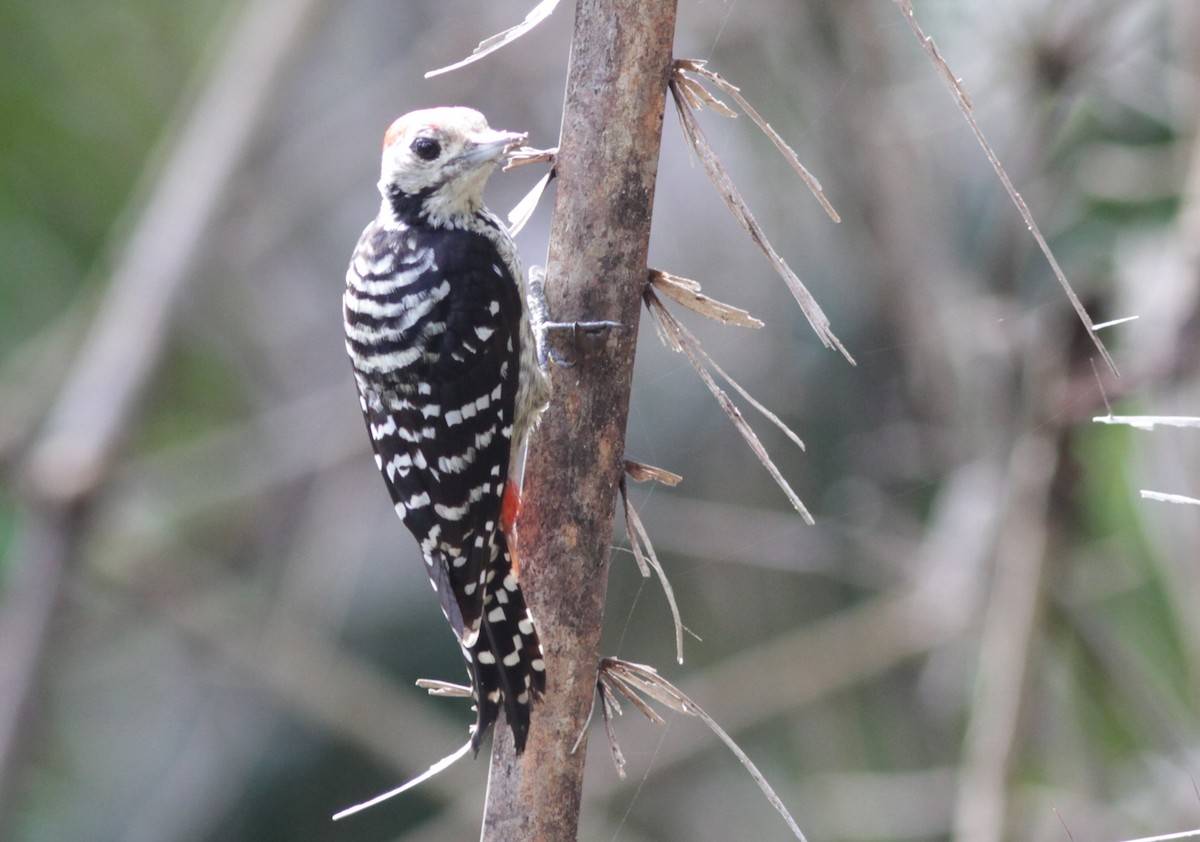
[[607, 162], [1010, 631], [28, 605]]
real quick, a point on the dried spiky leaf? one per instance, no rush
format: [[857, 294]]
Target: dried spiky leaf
[[629, 692], [733, 199], [1115, 322], [645, 679], [789, 154], [441, 765], [687, 292], [766, 413], [635, 546], [1149, 422], [639, 538], [489, 45], [678, 337], [629, 677], [688, 88], [697, 94], [1165, 497], [641, 472], [1170, 837], [610, 706], [444, 689], [968, 111], [521, 213], [523, 156], [666, 335]]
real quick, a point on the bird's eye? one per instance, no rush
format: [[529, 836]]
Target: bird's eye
[[426, 148]]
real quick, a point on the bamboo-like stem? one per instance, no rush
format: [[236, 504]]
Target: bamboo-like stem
[[607, 162]]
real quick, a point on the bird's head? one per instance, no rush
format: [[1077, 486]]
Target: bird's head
[[437, 161]]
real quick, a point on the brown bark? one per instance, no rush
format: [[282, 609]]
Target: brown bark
[[607, 162]]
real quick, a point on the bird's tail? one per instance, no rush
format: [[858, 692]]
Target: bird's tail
[[506, 662]]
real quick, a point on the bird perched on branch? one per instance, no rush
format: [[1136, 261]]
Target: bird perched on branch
[[439, 335]]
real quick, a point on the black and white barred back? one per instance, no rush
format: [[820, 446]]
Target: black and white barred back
[[438, 333]]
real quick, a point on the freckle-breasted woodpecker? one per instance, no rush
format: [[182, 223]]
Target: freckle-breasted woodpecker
[[438, 332]]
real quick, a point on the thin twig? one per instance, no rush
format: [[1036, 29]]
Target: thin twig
[[443, 764], [1164, 497], [1149, 422], [968, 111], [489, 45], [1187, 834]]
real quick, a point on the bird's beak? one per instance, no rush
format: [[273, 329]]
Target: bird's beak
[[491, 145]]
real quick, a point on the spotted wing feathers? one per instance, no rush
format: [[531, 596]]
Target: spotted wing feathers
[[432, 327]]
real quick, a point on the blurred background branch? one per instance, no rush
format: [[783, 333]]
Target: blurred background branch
[[97, 401]]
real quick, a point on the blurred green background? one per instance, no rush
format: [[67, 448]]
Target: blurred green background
[[211, 620]]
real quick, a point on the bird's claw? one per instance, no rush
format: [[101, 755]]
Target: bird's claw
[[543, 327], [549, 353]]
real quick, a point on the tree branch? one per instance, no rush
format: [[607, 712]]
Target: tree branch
[[607, 161]]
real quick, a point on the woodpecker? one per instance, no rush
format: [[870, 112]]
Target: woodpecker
[[439, 336]]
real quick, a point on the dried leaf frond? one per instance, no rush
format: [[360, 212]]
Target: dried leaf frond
[[523, 211], [685, 66], [699, 144], [687, 89], [1166, 497], [443, 764], [968, 111], [632, 679], [445, 689], [679, 338], [687, 292], [647, 559], [612, 708], [697, 95], [1170, 837], [1149, 422], [489, 45], [641, 472], [524, 155]]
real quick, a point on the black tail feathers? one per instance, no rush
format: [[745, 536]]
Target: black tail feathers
[[506, 664]]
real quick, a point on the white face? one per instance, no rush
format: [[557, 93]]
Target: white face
[[449, 151]]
